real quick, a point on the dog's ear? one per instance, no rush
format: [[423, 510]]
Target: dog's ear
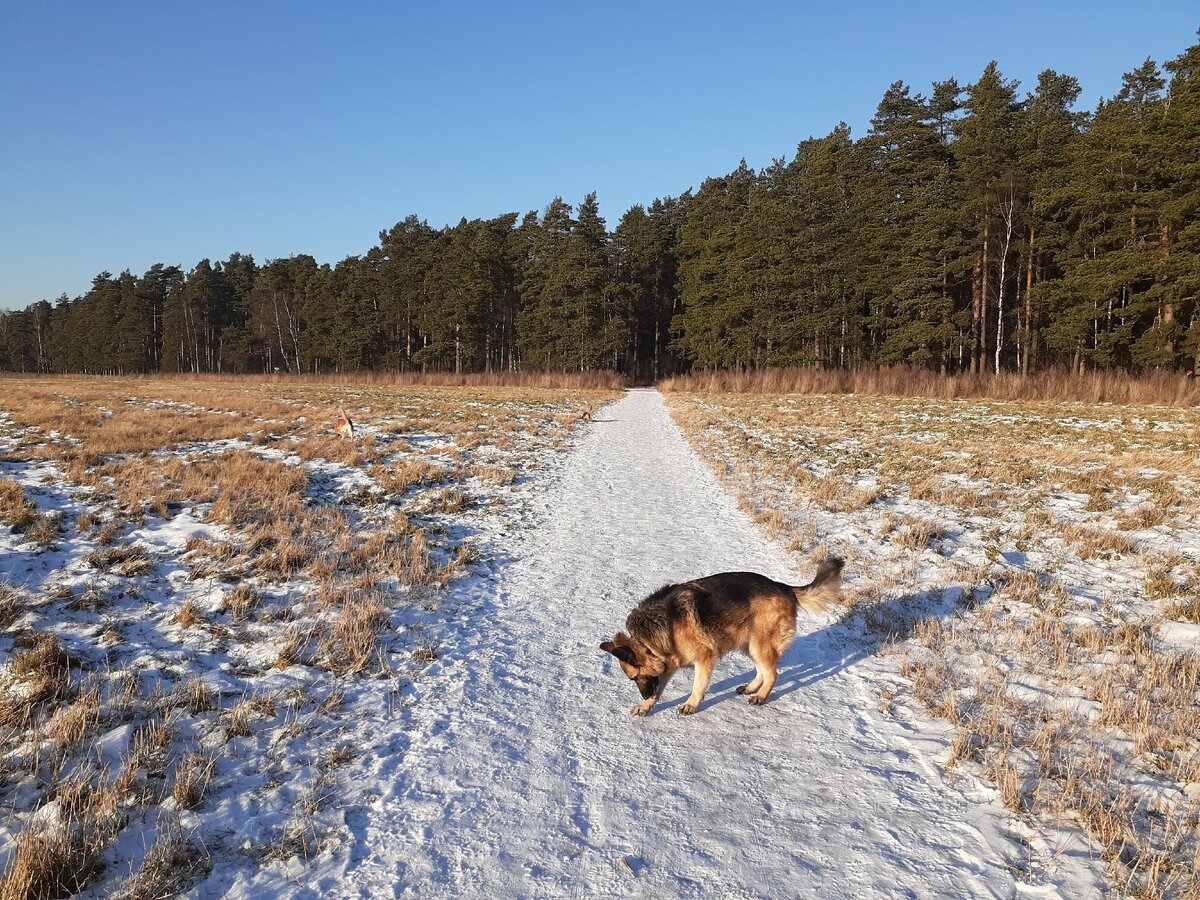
[[621, 651]]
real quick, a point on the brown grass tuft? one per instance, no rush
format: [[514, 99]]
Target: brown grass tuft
[[188, 616], [1185, 610], [49, 861], [41, 674], [70, 725], [241, 602], [351, 646], [16, 510], [172, 865], [192, 777]]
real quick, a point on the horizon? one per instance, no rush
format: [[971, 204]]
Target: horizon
[[142, 135]]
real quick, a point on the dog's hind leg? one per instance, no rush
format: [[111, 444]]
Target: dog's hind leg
[[753, 685], [766, 658], [704, 668]]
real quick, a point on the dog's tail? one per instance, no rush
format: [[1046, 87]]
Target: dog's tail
[[824, 589]]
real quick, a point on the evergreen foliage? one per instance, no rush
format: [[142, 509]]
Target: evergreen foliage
[[970, 230]]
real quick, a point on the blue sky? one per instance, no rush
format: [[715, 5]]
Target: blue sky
[[136, 133]]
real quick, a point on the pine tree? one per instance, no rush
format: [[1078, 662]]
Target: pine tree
[[985, 150], [1176, 171], [713, 305], [1101, 313], [545, 287], [915, 186], [1048, 141]]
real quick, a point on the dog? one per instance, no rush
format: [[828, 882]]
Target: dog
[[698, 622], [585, 417], [343, 427]]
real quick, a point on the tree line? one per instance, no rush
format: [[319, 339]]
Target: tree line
[[971, 229]]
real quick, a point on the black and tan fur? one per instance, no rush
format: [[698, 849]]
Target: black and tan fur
[[698, 622]]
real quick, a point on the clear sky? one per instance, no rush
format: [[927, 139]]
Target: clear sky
[[136, 133]]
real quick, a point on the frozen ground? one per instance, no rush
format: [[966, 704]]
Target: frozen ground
[[521, 772], [491, 752], [1036, 565]]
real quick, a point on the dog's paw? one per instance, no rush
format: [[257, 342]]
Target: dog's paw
[[743, 688], [757, 700], [640, 710], [687, 709]]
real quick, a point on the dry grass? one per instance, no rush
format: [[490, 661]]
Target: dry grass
[[71, 724], [171, 866], [398, 477], [572, 381], [192, 778], [351, 645], [1054, 762], [38, 676], [11, 605], [200, 698], [1185, 610], [1060, 689], [59, 858], [302, 549], [242, 601], [128, 560], [50, 861], [188, 615], [16, 510], [898, 381]]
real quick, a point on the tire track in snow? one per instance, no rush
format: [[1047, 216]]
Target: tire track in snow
[[525, 776]]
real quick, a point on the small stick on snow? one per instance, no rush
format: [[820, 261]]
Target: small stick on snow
[[628, 867]]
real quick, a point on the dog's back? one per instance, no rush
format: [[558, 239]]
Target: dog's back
[[723, 599], [721, 612]]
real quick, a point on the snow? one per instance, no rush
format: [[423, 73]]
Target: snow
[[513, 768], [509, 766]]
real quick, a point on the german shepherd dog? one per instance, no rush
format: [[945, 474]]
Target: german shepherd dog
[[698, 622]]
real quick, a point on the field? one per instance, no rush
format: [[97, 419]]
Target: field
[[242, 656], [202, 587], [1032, 573]]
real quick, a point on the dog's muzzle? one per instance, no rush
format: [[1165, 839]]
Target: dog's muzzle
[[648, 685]]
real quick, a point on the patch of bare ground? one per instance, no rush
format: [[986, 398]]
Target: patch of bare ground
[[199, 577], [1033, 567]]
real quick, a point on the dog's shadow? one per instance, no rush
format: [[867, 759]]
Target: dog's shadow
[[859, 633]]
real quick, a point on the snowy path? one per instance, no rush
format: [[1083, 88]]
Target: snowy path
[[521, 773]]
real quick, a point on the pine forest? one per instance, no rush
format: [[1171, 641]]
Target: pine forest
[[974, 228]]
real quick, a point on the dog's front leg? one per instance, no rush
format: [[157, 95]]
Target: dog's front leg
[[704, 669], [643, 708]]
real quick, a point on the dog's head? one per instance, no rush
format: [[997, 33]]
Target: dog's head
[[643, 667]]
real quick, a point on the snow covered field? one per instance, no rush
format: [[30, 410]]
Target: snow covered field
[[203, 594], [1036, 568], [244, 658]]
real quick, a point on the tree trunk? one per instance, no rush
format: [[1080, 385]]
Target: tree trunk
[[1168, 307], [1006, 212], [1025, 354], [981, 328]]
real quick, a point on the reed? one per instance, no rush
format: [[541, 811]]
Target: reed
[[1153, 388]]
